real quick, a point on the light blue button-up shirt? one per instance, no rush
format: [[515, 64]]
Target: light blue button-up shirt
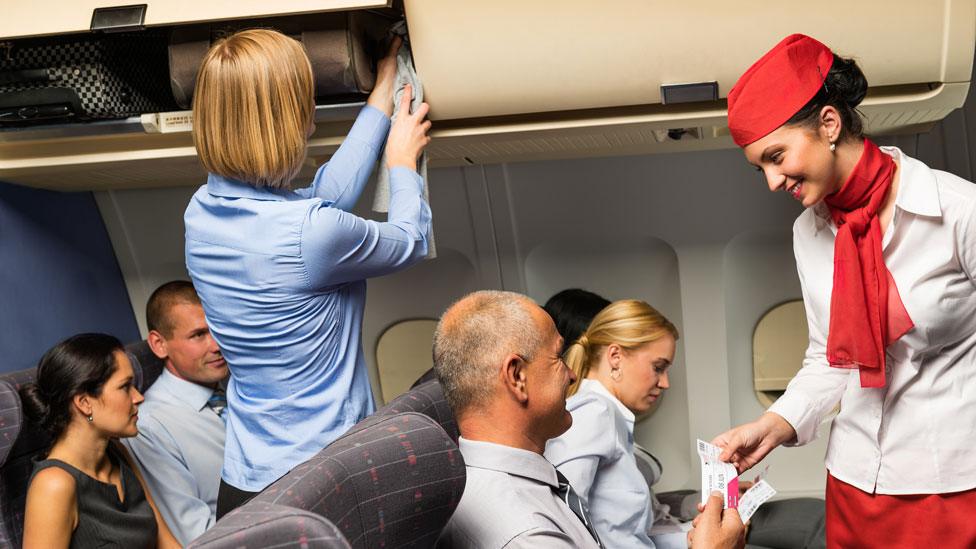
[[180, 450], [281, 275]]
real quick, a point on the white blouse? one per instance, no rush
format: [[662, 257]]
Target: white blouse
[[596, 454], [918, 434]]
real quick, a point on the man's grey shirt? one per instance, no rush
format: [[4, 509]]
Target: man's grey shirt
[[509, 501], [180, 451]]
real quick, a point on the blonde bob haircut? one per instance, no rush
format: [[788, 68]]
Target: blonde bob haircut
[[629, 323], [253, 108]]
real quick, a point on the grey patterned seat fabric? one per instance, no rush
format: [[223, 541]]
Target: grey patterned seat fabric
[[21, 442], [425, 398], [15, 469], [260, 524], [146, 365], [393, 481]]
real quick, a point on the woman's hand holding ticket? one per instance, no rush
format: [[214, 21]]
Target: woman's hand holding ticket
[[746, 445]]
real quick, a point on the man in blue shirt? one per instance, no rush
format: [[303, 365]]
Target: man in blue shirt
[[180, 446]]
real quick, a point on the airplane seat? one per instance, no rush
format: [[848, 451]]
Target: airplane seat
[[425, 398], [147, 365], [392, 482], [15, 466], [261, 524], [21, 442]]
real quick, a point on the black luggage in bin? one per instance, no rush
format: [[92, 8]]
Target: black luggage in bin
[[84, 77]]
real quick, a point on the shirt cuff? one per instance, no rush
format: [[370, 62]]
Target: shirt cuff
[[798, 411], [400, 175], [372, 126]]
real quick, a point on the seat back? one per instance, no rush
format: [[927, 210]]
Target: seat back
[[16, 466], [22, 442], [269, 525], [394, 482], [424, 398], [146, 365]]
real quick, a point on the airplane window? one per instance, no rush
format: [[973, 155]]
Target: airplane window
[[403, 355], [778, 346]]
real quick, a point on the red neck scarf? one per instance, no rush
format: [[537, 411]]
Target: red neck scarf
[[866, 312]]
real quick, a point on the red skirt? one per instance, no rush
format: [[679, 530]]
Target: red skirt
[[856, 519]]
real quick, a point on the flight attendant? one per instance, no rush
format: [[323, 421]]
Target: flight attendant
[[886, 253]]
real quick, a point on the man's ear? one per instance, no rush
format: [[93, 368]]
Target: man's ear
[[157, 343], [513, 377]]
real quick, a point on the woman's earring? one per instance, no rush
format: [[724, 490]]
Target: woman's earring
[[615, 374], [833, 147], [91, 418]]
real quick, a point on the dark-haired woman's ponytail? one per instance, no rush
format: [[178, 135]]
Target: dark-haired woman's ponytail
[[36, 407]]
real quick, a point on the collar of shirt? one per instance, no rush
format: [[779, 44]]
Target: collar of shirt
[[594, 386], [192, 394], [218, 185], [505, 459], [917, 190]]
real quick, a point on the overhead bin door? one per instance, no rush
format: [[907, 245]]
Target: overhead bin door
[[505, 57]]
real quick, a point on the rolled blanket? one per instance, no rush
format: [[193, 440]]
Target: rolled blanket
[[406, 74]]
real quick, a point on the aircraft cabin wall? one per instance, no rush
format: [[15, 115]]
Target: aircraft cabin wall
[[697, 235]]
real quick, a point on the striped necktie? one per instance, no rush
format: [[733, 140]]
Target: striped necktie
[[218, 402], [567, 494]]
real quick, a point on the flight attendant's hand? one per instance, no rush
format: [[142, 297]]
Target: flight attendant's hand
[[382, 95], [746, 445], [408, 136], [715, 528]]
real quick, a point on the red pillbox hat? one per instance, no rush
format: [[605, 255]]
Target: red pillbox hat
[[777, 86]]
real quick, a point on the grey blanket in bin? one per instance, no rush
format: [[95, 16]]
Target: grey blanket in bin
[[406, 74]]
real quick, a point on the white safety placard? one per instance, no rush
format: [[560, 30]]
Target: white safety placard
[[717, 476]]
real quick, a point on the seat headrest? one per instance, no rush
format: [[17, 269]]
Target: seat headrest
[[145, 363], [367, 482], [11, 418], [261, 524]]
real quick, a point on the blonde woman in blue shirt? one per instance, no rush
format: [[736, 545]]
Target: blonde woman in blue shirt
[[281, 271], [621, 364]]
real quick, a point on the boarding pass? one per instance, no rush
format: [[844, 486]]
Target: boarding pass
[[760, 492], [717, 476]]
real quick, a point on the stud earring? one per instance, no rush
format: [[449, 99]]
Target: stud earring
[[91, 418], [833, 147]]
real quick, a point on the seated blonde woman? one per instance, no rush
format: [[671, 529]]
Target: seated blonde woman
[[621, 363]]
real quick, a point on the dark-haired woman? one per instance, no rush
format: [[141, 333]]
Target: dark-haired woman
[[886, 253], [86, 493]]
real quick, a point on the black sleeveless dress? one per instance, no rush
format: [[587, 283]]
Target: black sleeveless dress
[[103, 520]]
